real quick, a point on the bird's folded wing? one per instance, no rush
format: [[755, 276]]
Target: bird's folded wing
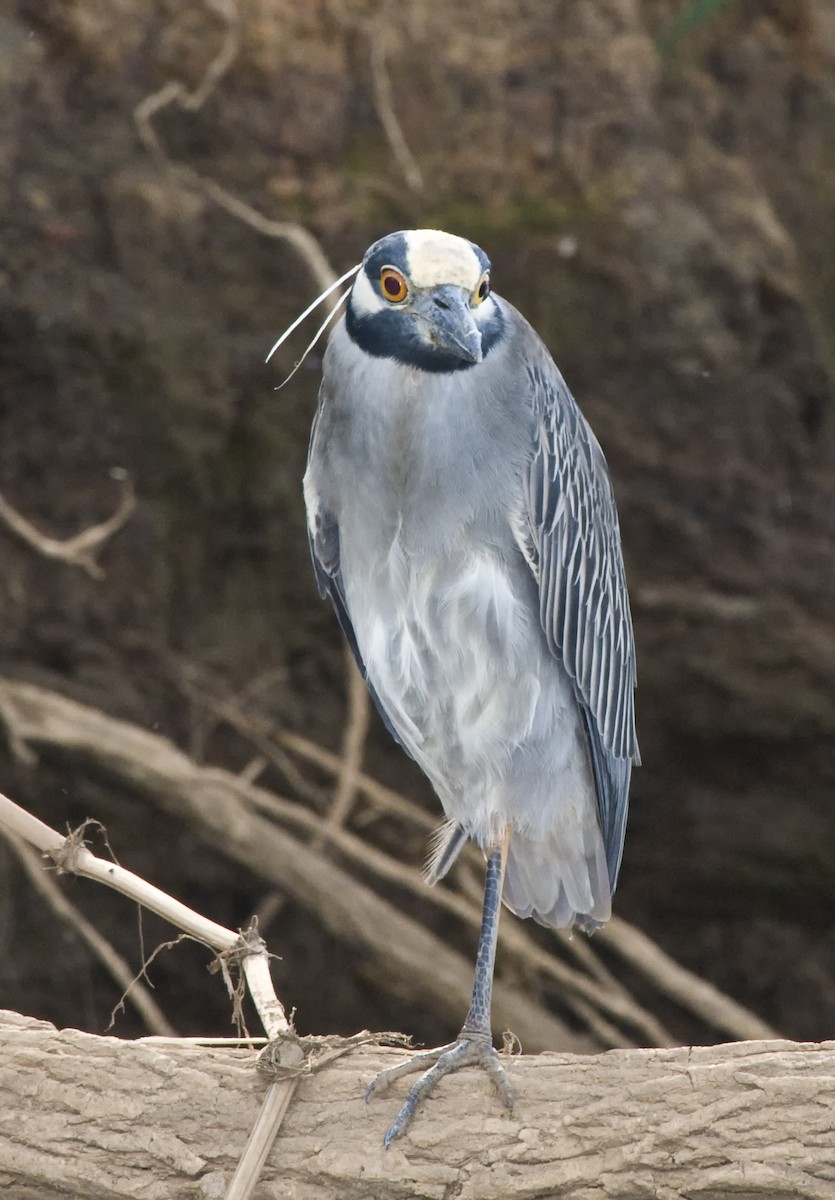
[[570, 536]]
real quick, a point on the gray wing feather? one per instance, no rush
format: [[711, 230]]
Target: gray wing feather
[[572, 543], [323, 537]]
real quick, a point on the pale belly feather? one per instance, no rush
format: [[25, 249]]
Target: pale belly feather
[[462, 668]]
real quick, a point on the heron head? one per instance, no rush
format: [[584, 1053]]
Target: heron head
[[422, 297]]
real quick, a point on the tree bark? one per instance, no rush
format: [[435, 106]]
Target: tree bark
[[96, 1117]]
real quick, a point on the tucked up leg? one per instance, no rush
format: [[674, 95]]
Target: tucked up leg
[[474, 1044]]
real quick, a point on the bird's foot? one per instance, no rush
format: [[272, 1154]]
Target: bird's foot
[[471, 1049]]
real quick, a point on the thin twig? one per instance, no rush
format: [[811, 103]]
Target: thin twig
[[176, 92], [44, 883], [80, 550], [227, 11], [353, 744], [302, 241], [175, 89], [384, 105], [71, 855], [227, 1043]]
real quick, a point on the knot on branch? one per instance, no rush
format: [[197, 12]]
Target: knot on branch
[[291, 1056], [66, 855], [248, 957], [249, 942]]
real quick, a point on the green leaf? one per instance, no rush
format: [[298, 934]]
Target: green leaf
[[694, 15]]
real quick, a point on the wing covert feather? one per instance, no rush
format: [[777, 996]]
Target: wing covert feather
[[572, 544], [575, 550]]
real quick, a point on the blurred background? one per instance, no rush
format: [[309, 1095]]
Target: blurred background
[[654, 181]]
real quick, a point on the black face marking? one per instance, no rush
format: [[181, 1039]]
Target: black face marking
[[393, 333], [481, 256]]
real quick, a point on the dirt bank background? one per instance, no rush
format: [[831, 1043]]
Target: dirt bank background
[[663, 211]]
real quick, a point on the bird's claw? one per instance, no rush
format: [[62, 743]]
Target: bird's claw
[[466, 1051]]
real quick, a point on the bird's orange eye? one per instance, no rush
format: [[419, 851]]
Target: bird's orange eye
[[395, 288], [483, 289]]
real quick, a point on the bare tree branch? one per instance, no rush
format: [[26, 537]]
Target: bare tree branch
[[384, 104], [681, 985], [353, 744], [393, 941], [71, 855], [80, 550], [176, 92]]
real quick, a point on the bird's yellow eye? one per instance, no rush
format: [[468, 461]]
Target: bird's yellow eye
[[395, 288], [483, 289]]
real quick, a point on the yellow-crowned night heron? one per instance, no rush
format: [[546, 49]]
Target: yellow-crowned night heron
[[462, 522]]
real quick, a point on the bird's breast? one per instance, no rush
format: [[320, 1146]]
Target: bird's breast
[[428, 451], [449, 647]]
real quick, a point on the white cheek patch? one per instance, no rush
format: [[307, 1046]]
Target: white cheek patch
[[482, 313], [364, 299], [436, 258]]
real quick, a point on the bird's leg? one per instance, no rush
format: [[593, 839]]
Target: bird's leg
[[475, 1041]]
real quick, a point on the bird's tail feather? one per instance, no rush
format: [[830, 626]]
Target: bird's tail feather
[[444, 847], [543, 882]]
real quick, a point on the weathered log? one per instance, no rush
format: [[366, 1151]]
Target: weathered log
[[85, 1116]]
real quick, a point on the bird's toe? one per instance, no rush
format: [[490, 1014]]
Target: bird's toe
[[467, 1051]]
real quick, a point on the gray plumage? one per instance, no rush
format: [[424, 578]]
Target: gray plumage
[[462, 521]]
